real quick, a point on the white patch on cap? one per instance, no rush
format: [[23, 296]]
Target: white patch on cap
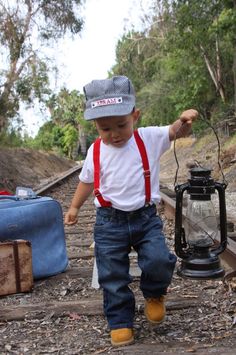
[[106, 102]]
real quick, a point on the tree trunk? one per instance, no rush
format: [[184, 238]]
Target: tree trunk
[[234, 76], [82, 140], [234, 69], [215, 74], [4, 107]]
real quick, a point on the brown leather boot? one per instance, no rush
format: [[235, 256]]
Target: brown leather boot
[[122, 336], [155, 309]]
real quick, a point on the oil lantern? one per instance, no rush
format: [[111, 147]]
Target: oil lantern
[[196, 232]]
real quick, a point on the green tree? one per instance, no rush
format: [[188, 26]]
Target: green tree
[[184, 58], [25, 25], [45, 138], [66, 110], [142, 57], [207, 30], [12, 138], [70, 138], [226, 26]]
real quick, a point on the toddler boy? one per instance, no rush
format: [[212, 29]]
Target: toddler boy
[[122, 168]]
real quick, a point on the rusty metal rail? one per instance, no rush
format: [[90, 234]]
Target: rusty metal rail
[[168, 200], [228, 258], [60, 179]]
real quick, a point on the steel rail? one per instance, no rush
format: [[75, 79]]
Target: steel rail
[[228, 257], [58, 180]]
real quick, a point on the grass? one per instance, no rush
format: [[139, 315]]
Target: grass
[[204, 142], [230, 142], [184, 142]]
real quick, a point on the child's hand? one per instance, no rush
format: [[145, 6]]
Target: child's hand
[[71, 216], [188, 116], [182, 127]]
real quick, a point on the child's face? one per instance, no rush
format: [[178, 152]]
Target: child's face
[[117, 130]]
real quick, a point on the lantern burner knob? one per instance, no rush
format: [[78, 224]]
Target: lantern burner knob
[[201, 184], [200, 172]]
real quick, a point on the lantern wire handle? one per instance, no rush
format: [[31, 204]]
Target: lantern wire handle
[[176, 159], [218, 153]]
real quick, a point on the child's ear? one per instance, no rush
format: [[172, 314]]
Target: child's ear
[[136, 115]]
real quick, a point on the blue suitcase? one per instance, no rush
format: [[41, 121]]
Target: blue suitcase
[[40, 221]]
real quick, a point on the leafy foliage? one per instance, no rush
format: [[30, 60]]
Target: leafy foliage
[[25, 25], [11, 139], [183, 59]]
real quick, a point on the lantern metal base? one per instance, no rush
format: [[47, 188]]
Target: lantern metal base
[[201, 268]]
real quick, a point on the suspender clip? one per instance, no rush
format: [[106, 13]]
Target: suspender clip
[[96, 192], [147, 173]]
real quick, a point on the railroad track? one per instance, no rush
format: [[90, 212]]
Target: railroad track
[[168, 201], [64, 315]]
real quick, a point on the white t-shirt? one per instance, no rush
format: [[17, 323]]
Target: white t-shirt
[[121, 169]]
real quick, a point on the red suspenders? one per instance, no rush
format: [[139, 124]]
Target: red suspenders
[[146, 170], [96, 161]]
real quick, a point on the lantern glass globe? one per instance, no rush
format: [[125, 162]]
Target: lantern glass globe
[[200, 224]]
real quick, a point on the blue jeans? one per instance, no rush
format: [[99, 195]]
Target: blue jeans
[[115, 232]]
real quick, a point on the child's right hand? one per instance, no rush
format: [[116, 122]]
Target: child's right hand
[[189, 116], [71, 217]]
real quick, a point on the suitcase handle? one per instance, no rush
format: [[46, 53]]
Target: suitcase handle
[[22, 193], [8, 197], [16, 198]]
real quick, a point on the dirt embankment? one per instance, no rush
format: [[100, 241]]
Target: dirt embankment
[[205, 152], [27, 167]]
